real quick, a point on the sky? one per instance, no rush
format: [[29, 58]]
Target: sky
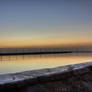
[[30, 23]]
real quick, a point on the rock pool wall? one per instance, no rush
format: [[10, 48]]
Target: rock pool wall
[[71, 78]]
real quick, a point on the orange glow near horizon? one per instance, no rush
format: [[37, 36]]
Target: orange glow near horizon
[[43, 43]]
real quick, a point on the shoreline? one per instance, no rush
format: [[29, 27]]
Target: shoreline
[[32, 78]]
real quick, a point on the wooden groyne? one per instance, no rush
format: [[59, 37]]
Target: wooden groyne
[[33, 53]]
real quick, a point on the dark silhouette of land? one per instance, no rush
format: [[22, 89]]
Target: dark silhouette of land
[[41, 52], [49, 50]]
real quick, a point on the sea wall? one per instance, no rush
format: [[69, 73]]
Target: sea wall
[[71, 78]]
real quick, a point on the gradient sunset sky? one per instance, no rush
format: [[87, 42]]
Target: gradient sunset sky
[[45, 22]]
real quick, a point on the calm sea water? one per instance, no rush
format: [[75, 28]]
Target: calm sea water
[[18, 63]]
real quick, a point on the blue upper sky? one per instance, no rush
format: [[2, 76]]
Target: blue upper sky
[[45, 22]]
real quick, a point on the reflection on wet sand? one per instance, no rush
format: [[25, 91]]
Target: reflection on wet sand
[[18, 63]]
